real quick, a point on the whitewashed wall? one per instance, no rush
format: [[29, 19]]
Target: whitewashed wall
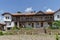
[[35, 25], [38, 25], [12, 24], [45, 24], [10, 18], [55, 15]]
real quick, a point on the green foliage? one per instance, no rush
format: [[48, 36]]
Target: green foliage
[[28, 28], [8, 33], [57, 38], [55, 25], [52, 27], [15, 28], [1, 33], [18, 12]]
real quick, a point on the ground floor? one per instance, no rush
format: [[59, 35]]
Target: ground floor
[[2, 26], [9, 25], [33, 24]]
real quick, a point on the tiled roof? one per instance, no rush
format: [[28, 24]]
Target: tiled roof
[[29, 13], [24, 14], [57, 10], [6, 13], [49, 12], [2, 24]]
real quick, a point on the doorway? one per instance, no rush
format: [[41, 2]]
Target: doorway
[[32, 25], [41, 24]]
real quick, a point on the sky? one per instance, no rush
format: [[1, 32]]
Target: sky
[[13, 6], [21, 5]]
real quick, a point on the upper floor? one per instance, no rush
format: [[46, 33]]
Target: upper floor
[[32, 16], [28, 17], [7, 17]]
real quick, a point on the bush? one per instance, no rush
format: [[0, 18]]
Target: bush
[[51, 27], [57, 38], [1, 33], [56, 25], [28, 28], [8, 33], [15, 28]]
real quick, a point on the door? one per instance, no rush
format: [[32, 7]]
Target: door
[[41, 24], [32, 25]]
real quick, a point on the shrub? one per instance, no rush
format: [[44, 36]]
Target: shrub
[[8, 33], [57, 38], [28, 28], [15, 28], [56, 25], [1, 33], [52, 27]]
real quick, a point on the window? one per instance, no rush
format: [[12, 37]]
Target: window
[[8, 28], [29, 24], [7, 17], [37, 23], [10, 23], [41, 17], [29, 19], [32, 25], [46, 17], [58, 16], [50, 16], [14, 18]]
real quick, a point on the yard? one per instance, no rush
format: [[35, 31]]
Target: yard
[[28, 37], [27, 34]]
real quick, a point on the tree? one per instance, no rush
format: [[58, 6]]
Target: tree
[[18, 12], [56, 24]]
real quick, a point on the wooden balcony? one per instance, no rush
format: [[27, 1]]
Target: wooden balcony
[[29, 20], [24, 19]]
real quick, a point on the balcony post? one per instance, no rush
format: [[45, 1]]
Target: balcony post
[[18, 24], [5, 28]]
